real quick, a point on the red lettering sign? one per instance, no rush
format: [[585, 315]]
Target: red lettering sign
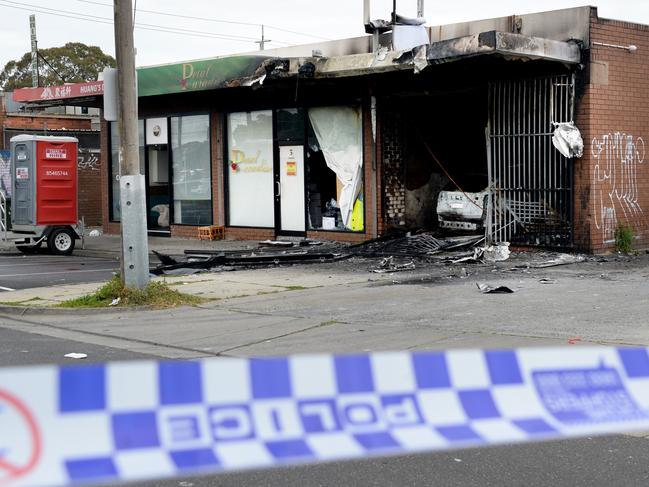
[[74, 90], [51, 153]]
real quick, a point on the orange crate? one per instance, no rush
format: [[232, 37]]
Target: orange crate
[[211, 233]]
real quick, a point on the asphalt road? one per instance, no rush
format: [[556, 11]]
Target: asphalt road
[[19, 271], [603, 461]]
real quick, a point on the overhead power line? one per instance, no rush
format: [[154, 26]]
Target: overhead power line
[[141, 26], [221, 21]]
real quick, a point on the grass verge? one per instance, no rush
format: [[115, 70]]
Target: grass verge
[[157, 294]]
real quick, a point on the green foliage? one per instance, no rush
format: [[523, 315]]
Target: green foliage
[[157, 294], [75, 62], [624, 238]]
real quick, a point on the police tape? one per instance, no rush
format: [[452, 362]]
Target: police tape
[[139, 420]]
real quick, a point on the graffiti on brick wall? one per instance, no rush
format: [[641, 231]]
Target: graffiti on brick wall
[[617, 158], [5, 171], [88, 161]]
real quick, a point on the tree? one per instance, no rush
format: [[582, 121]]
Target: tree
[[75, 63]]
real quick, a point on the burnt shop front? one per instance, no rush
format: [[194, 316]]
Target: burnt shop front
[[289, 171], [295, 170], [262, 163]]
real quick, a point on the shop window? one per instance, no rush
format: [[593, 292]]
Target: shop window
[[250, 169], [192, 189], [290, 125], [335, 169], [115, 210]]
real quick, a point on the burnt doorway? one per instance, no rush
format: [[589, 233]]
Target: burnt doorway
[[530, 182]]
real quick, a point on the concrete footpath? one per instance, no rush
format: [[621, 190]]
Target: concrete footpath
[[210, 285]]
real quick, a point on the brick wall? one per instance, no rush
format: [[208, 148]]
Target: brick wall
[[89, 193], [393, 175], [104, 142], [49, 122], [612, 178]]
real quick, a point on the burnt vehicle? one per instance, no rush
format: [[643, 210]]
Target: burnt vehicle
[[462, 204]]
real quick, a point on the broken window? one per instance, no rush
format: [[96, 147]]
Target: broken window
[[335, 162]]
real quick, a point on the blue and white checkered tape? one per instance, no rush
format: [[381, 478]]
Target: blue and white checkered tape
[[132, 421]]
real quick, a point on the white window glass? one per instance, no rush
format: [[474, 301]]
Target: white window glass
[[192, 189], [250, 169]]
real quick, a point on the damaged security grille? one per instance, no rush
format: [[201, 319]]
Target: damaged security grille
[[531, 182]]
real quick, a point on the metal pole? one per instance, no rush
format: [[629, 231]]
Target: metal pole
[[135, 253], [420, 8], [34, 44]]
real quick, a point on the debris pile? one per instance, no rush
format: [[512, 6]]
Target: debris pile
[[388, 265], [419, 245]]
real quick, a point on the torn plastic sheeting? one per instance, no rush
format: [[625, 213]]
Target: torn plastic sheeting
[[567, 139], [339, 134]]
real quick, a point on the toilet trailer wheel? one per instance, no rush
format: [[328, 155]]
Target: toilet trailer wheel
[[61, 241]]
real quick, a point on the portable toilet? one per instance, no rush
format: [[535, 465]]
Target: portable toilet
[[44, 192]]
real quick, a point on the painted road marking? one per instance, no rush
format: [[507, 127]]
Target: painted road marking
[[2, 288], [58, 272]]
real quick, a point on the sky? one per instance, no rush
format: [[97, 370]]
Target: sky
[[210, 28]]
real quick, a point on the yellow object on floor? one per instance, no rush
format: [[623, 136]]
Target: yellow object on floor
[[358, 214]]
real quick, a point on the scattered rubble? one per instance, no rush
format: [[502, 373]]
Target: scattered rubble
[[387, 265], [489, 289], [408, 252], [419, 245]]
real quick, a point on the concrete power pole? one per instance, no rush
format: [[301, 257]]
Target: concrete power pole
[[135, 251], [34, 67]]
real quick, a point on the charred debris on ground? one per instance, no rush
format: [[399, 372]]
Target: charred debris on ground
[[384, 255]]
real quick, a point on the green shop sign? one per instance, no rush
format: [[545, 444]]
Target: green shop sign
[[195, 75]]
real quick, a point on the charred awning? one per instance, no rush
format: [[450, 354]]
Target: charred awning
[[494, 43], [506, 44]]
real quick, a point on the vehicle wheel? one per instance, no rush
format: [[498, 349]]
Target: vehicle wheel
[[27, 247], [61, 241]]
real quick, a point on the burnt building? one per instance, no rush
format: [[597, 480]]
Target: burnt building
[[413, 127]]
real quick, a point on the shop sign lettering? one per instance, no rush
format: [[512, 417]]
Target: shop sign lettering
[[240, 162], [195, 79]]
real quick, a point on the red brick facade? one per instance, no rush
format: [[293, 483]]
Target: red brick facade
[[90, 207], [612, 178], [45, 122]]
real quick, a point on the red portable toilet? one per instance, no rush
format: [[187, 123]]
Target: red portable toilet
[[44, 192]]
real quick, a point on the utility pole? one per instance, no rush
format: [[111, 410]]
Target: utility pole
[[263, 40], [135, 251], [32, 32]]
